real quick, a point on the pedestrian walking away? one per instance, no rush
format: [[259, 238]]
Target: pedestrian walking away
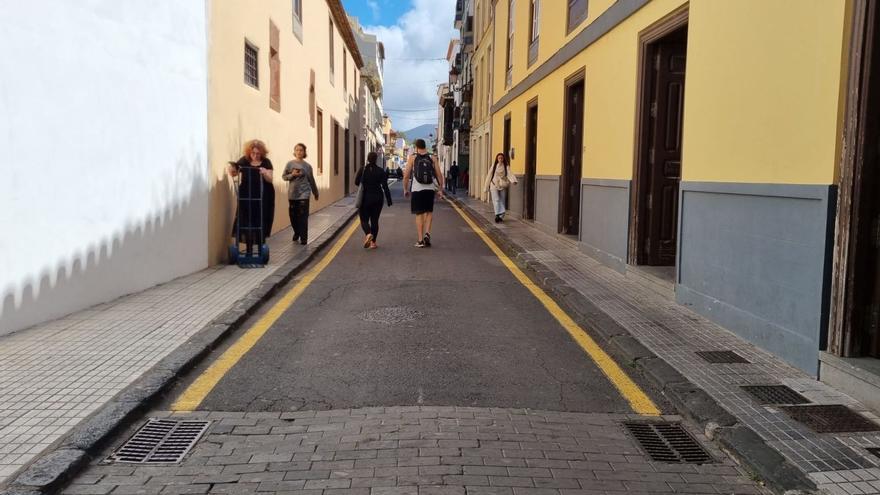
[[301, 185], [453, 178], [373, 183], [422, 179], [250, 215], [497, 183]]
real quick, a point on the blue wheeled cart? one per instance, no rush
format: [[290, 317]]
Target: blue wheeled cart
[[248, 226]]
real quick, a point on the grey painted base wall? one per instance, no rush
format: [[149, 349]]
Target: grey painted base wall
[[547, 201], [515, 197], [755, 259], [604, 220]]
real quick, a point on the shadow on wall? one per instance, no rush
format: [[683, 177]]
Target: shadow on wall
[[151, 250]]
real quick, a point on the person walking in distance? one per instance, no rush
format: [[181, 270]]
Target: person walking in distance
[[373, 181], [301, 185], [453, 177], [423, 169], [497, 182]]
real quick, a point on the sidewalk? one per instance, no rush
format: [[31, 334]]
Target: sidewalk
[[835, 462], [55, 375]]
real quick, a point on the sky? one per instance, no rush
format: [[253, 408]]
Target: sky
[[416, 34]]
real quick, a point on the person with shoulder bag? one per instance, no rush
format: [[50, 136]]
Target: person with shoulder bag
[[372, 181], [497, 183]]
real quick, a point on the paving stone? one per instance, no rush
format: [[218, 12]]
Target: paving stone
[[510, 481], [441, 490], [234, 488], [395, 490], [325, 484]]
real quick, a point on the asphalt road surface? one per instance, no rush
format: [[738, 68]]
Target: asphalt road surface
[[446, 325]]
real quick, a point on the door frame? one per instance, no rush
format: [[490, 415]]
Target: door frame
[[840, 336], [529, 193], [676, 20], [579, 76]]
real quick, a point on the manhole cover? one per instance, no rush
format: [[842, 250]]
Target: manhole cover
[[720, 357], [668, 442], [161, 441], [391, 315], [830, 418], [775, 394]]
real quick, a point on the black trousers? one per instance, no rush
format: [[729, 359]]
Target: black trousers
[[369, 214], [453, 183], [299, 218]]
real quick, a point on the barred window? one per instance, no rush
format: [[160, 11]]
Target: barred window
[[251, 67]]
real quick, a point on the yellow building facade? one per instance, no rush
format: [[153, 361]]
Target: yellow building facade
[[284, 72], [481, 106], [696, 145]]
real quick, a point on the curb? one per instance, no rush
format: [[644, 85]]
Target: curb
[[52, 469], [735, 438]]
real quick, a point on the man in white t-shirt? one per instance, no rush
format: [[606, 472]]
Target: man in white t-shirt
[[427, 181]]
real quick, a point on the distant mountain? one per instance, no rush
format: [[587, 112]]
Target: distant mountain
[[421, 131]]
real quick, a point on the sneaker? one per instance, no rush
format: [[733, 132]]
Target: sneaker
[[497, 218], [367, 240], [427, 240], [303, 242], [420, 244], [295, 238], [373, 245]]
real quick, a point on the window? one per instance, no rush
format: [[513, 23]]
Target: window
[[332, 56], [320, 142], [312, 100], [344, 71], [274, 69], [297, 19], [577, 12], [534, 29], [251, 67], [511, 7]]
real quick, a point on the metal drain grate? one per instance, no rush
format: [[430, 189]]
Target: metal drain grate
[[668, 442], [161, 441], [830, 418], [775, 394], [875, 451], [720, 357]]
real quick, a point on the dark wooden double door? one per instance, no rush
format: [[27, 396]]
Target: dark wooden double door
[[659, 173]]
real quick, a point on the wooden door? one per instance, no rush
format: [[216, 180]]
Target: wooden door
[[864, 322], [571, 171], [531, 163], [347, 163], [662, 170]]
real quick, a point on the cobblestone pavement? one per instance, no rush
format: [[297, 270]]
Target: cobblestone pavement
[[54, 375], [415, 451], [837, 463]]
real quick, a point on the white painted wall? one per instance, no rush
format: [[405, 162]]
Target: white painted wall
[[103, 175]]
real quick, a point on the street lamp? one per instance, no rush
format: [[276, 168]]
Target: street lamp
[[453, 76]]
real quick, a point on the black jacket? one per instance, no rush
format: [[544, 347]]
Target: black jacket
[[375, 184]]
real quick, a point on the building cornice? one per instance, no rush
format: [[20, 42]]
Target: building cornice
[[341, 20]]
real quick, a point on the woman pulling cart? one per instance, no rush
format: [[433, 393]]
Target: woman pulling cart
[[256, 204]]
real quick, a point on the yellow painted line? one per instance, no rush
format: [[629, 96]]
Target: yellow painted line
[[199, 389], [630, 391]]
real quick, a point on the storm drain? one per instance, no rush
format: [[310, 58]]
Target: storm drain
[[775, 394], [668, 442], [721, 357], [161, 441], [830, 418], [875, 451]]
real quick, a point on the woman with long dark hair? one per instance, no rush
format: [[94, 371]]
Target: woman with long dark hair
[[497, 182], [255, 170], [373, 181]]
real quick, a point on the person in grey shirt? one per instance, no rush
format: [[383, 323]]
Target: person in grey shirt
[[301, 185]]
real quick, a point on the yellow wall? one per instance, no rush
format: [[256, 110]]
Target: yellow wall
[[238, 112], [778, 125], [609, 113], [763, 91]]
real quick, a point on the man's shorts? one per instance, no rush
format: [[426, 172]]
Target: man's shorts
[[422, 202]]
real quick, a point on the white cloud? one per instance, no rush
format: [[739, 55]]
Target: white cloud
[[411, 78], [374, 6]]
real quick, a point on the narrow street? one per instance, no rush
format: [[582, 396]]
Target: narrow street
[[410, 371]]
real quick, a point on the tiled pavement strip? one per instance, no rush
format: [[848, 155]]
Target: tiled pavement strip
[[414, 451], [54, 375], [837, 463]]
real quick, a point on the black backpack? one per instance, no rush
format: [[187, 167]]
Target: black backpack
[[423, 169]]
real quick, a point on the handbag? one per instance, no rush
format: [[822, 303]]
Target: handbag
[[501, 182], [359, 199]]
